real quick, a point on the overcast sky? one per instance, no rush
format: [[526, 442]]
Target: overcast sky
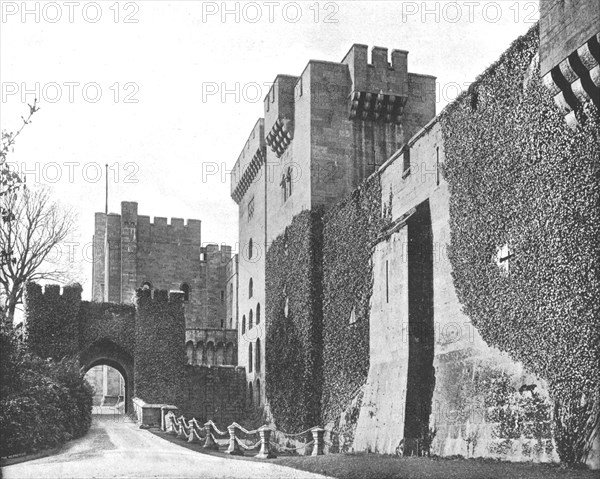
[[138, 85]]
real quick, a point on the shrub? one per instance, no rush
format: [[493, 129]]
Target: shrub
[[43, 403]]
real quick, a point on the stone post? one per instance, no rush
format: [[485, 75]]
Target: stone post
[[318, 437], [166, 412], [265, 444], [192, 438], [234, 447], [210, 443]]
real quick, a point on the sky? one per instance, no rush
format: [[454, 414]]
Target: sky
[[167, 92]]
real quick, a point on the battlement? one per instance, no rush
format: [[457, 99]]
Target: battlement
[[211, 251], [177, 230], [380, 88], [54, 291], [279, 113], [249, 161], [159, 296], [380, 75]]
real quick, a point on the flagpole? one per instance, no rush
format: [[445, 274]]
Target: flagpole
[[106, 195]]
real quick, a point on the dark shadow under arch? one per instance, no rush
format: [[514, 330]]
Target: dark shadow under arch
[[109, 353]]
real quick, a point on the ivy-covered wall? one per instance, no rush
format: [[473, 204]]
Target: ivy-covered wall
[[293, 358], [520, 178], [52, 320], [350, 229], [215, 393], [107, 321], [146, 344], [159, 347]]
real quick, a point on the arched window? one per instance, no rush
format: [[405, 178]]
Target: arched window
[[257, 359], [186, 291], [250, 357], [257, 313], [250, 249], [250, 288], [146, 285], [288, 181], [189, 349], [210, 354], [250, 321], [283, 188], [243, 324]]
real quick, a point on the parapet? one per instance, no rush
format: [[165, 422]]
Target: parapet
[[53, 291], [279, 113], [249, 161], [159, 296], [379, 88], [210, 251], [176, 230]]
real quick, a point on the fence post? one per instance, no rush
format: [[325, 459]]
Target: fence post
[[181, 434], [234, 448], [265, 444], [210, 443], [170, 424], [193, 438], [318, 433]]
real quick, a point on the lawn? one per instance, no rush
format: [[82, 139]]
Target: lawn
[[376, 466]]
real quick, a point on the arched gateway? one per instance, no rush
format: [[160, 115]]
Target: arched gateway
[[144, 342]]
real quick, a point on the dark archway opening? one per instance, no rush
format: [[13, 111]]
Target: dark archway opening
[[107, 353], [421, 374]]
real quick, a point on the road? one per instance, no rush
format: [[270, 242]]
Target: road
[[116, 447]]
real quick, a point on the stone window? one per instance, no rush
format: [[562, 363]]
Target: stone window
[[250, 288], [249, 357], [257, 392], [288, 181], [387, 281], [250, 208], [243, 324], [283, 188], [257, 359], [250, 393], [222, 296], [186, 291], [250, 320], [504, 256], [406, 162], [250, 249], [257, 313], [437, 166], [353, 315]]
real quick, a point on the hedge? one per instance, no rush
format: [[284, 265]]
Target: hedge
[[43, 403], [519, 176]]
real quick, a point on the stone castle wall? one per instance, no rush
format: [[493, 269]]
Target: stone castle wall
[[130, 250]]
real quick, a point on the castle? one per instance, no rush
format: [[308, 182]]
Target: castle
[[322, 133], [341, 307], [130, 252], [384, 351]]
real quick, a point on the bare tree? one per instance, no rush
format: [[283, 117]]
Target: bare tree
[[31, 234], [10, 180]]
